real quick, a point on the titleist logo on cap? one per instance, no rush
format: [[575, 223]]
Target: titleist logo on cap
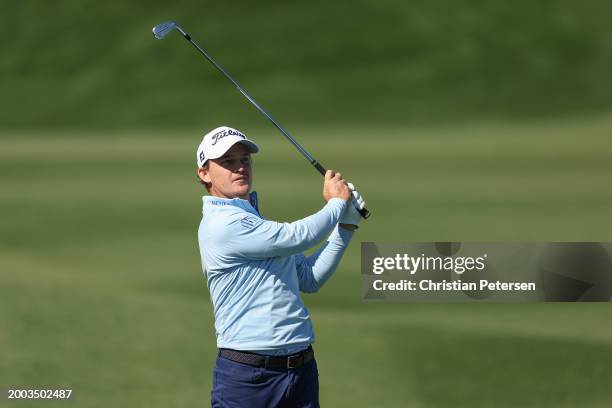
[[228, 132]]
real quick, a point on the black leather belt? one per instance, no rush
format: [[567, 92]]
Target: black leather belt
[[258, 360]]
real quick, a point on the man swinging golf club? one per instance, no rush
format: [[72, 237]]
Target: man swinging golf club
[[255, 271]]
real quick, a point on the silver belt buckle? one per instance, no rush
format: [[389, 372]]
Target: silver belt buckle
[[294, 361]]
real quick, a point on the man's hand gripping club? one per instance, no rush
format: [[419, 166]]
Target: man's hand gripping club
[[335, 186]]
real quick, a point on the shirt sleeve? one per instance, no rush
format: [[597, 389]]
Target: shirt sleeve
[[313, 271], [249, 236]]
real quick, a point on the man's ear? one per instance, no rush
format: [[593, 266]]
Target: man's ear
[[204, 174]]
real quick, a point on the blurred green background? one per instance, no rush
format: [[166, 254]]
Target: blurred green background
[[479, 120]]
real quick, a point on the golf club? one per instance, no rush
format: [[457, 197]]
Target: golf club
[[161, 30]]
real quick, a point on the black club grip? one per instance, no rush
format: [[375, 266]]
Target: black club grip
[[365, 213]]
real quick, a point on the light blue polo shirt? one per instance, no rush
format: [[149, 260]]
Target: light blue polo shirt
[[255, 270]]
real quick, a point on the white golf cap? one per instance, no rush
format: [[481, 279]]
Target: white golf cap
[[220, 140]]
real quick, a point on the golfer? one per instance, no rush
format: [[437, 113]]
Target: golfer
[[255, 271]]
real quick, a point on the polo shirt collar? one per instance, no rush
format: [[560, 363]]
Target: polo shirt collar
[[218, 202]]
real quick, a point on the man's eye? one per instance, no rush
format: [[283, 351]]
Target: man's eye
[[246, 160]]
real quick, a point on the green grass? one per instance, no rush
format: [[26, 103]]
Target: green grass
[[92, 63], [102, 289]]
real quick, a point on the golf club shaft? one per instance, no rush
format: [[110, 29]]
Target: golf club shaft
[[364, 212]]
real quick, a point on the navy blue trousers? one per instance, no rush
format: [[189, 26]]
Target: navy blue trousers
[[241, 385]]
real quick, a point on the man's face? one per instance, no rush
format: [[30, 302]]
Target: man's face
[[230, 174]]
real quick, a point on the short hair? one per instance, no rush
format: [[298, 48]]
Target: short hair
[[204, 183]]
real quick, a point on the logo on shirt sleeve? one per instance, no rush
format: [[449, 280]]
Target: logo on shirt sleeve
[[250, 221]]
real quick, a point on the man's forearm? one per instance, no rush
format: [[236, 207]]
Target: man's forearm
[[255, 238], [318, 267]]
